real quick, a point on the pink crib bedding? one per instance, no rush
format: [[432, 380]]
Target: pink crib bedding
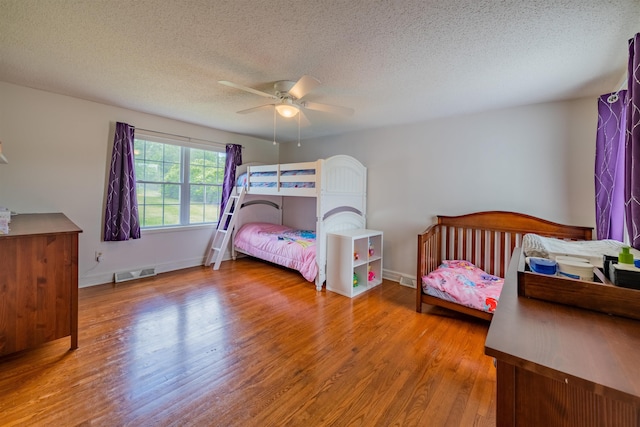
[[464, 283], [285, 246]]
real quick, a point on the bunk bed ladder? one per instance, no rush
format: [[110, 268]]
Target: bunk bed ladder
[[222, 235]]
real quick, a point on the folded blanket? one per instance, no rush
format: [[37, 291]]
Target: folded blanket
[[534, 245]]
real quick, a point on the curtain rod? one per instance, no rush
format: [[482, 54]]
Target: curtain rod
[[188, 138], [614, 95]]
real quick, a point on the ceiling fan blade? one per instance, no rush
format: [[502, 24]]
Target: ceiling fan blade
[[254, 109], [303, 86], [334, 109], [247, 89]]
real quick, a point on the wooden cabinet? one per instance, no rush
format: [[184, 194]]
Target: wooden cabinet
[[559, 365], [38, 281], [354, 261]]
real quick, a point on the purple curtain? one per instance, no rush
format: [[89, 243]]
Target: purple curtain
[[121, 213], [632, 149], [234, 159], [609, 170]]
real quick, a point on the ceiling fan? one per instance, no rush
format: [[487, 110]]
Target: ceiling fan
[[287, 98]]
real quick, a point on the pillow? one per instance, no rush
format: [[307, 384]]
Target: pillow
[[241, 180]]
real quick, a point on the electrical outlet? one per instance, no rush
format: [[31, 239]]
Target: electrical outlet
[[98, 256]]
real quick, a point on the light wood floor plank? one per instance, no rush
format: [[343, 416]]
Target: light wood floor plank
[[253, 345]]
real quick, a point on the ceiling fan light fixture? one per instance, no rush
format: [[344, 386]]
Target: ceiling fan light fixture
[[287, 110]]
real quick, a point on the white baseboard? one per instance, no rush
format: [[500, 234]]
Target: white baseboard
[[101, 279]]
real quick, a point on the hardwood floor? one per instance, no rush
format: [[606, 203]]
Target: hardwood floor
[[253, 345]]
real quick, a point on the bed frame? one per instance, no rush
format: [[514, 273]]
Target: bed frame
[[486, 239], [340, 190]]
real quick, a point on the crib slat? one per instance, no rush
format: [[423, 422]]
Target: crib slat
[[513, 242], [483, 248], [492, 253], [501, 244], [444, 242], [438, 248], [464, 233], [455, 244], [474, 251]]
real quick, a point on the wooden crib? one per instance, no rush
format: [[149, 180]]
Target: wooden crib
[[486, 239]]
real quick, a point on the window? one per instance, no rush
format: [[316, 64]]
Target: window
[[177, 184]]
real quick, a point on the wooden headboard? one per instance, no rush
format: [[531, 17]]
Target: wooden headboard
[[487, 239]]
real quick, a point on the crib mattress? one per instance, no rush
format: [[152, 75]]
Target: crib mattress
[[465, 284]]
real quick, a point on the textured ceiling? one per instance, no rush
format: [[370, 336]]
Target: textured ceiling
[[394, 62]]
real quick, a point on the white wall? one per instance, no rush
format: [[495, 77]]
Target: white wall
[[59, 148], [537, 159]]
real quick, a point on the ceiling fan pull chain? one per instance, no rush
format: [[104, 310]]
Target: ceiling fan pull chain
[[274, 126], [299, 129]]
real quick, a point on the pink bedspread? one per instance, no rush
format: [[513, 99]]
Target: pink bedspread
[[280, 245], [464, 283]]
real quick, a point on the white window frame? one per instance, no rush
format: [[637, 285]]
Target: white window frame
[[185, 144]]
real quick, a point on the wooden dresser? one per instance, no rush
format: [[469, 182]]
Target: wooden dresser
[[562, 366], [38, 281]]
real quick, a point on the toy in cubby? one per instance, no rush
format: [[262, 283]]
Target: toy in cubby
[[355, 280], [371, 249], [371, 274], [356, 256]]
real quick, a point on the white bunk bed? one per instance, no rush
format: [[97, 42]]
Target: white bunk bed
[[338, 183]]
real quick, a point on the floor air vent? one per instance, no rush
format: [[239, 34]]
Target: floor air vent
[[408, 282], [135, 274]]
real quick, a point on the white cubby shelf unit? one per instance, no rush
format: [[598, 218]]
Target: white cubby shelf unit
[[354, 261]]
